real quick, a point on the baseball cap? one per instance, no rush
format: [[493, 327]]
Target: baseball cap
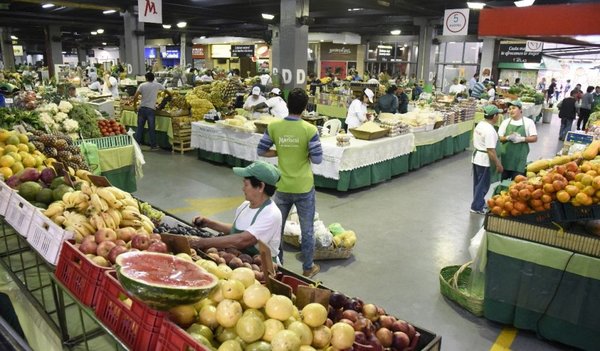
[[256, 91], [517, 103], [276, 91], [369, 93], [263, 171], [490, 111]]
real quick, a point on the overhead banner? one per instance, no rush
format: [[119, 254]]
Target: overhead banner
[[242, 50], [456, 22], [150, 11], [516, 53], [338, 52]]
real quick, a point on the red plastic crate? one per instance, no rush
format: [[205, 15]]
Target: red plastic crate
[[137, 326], [79, 274], [173, 338]]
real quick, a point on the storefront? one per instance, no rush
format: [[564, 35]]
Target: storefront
[[394, 58], [456, 60]]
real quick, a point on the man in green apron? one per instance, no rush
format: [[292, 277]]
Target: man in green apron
[[485, 139], [257, 218], [515, 134]]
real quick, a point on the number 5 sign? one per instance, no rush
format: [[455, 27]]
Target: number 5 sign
[[456, 22]]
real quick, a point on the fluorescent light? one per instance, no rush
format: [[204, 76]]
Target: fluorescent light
[[475, 5], [48, 5], [203, 37], [524, 3], [103, 43], [395, 32], [181, 24], [13, 37], [354, 9], [108, 12], [267, 16], [166, 26], [322, 40], [94, 33], [100, 31]]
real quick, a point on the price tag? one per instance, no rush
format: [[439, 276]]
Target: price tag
[[60, 168], [99, 180], [9, 100]]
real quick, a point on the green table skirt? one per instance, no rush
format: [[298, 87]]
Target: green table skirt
[[162, 138], [354, 179], [427, 154], [123, 178]]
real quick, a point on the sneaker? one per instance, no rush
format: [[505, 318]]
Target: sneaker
[[312, 272], [481, 212]]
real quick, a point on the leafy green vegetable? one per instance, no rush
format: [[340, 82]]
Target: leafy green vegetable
[[9, 117], [86, 116]]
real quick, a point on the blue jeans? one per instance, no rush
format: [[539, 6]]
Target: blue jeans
[[481, 185], [565, 126], [305, 205], [146, 114]]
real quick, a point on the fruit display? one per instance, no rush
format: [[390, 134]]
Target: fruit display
[[182, 230], [10, 117], [200, 105], [109, 127], [59, 147], [177, 105], [155, 215], [234, 258], [17, 153], [163, 281]]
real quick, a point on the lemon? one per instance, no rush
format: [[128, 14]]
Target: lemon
[[29, 161], [13, 140], [6, 172], [7, 161], [17, 167], [23, 138], [10, 148]]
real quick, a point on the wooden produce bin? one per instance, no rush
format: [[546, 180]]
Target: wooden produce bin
[[182, 134]]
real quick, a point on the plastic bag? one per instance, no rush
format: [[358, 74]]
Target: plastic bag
[[336, 228], [292, 228], [139, 156], [323, 237], [476, 243], [90, 153]]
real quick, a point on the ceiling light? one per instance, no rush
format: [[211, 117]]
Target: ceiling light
[[395, 32], [13, 37], [267, 16], [103, 43], [524, 3], [203, 37], [181, 24], [94, 33], [100, 31], [166, 26], [475, 5], [354, 9], [48, 5], [322, 40], [108, 12]]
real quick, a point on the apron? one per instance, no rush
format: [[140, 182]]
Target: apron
[[514, 155], [494, 176], [252, 250]]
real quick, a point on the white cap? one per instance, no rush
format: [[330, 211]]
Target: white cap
[[256, 91], [369, 93], [276, 91]]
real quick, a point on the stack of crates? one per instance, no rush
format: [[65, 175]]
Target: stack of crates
[[182, 134]]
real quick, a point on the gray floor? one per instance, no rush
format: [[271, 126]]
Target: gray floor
[[408, 229]]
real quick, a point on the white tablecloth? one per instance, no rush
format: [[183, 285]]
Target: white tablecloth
[[360, 153], [437, 135], [530, 110]]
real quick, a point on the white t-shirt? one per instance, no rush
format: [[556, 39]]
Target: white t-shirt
[[206, 78], [492, 94], [113, 89], [278, 107], [149, 92], [265, 79], [357, 114], [484, 137], [96, 86], [456, 89], [253, 100], [266, 227], [529, 126]]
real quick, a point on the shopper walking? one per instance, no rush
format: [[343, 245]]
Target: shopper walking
[[297, 146], [586, 108], [388, 103], [566, 112], [357, 111], [149, 92], [515, 135], [550, 92], [485, 140]]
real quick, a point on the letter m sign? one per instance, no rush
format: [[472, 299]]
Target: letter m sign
[[150, 11]]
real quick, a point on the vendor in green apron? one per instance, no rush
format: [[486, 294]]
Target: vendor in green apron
[[257, 218], [515, 134]]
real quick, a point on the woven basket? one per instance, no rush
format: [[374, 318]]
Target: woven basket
[[454, 281], [293, 240], [321, 253]]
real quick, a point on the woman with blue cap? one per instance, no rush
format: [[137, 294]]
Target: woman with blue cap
[[257, 218]]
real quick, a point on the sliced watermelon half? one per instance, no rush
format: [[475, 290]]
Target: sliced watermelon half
[[163, 281]]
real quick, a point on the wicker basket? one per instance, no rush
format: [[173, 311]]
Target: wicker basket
[[359, 134], [260, 127], [454, 282], [321, 253]]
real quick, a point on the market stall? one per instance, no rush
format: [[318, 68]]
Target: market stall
[[363, 163], [439, 143], [164, 128]]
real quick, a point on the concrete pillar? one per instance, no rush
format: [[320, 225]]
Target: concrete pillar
[[134, 42], [53, 47], [487, 57], [185, 56], [289, 55], [122, 48], [82, 55], [361, 58], [425, 64], [275, 63], [8, 56]]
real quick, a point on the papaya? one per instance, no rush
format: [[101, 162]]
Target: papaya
[[560, 160], [538, 165], [591, 151]]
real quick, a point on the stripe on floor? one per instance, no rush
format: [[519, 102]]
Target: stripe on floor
[[209, 207], [505, 339]]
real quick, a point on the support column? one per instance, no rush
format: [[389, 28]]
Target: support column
[[424, 58], [487, 57], [289, 56], [185, 55], [82, 55], [122, 48], [53, 48], [8, 56], [134, 42]]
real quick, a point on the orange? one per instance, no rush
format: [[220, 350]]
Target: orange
[[7, 161], [563, 196], [572, 190]]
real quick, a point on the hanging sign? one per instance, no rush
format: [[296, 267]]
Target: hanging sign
[[242, 50], [18, 50], [456, 22], [533, 46], [150, 11], [516, 53], [198, 51]]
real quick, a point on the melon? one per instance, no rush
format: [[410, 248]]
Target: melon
[[163, 281]]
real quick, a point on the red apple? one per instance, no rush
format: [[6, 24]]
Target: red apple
[[140, 242], [104, 248], [114, 252], [155, 236], [401, 326], [400, 340], [88, 245], [120, 242], [387, 321], [158, 246], [126, 233], [105, 234], [385, 336]]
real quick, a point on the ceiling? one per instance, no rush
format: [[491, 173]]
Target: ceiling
[[27, 18]]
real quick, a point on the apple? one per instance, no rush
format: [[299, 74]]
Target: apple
[[350, 314], [120, 242], [155, 236], [400, 326], [400, 340], [104, 248], [114, 252], [387, 321], [88, 245], [140, 242], [385, 336], [101, 261], [126, 233], [105, 234], [158, 246]]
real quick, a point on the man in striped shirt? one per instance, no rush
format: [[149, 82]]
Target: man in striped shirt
[[478, 89], [297, 145]]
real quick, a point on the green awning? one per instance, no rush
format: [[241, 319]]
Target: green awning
[[512, 65]]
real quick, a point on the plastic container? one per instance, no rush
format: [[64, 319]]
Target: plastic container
[[569, 213], [5, 194], [137, 326], [79, 274], [46, 237], [173, 338], [19, 214], [547, 115]]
